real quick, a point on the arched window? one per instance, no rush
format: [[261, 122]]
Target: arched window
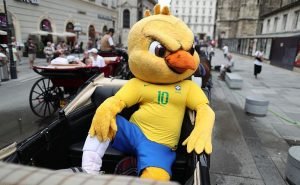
[[3, 22], [70, 27], [46, 25], [104, 29], [126, 19], [92, 31]]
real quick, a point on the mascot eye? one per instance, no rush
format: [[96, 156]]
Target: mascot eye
[[192, 50], [157, 49]]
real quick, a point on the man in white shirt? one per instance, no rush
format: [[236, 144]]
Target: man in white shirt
[[226, 67], [60, 59], [96, 59], [225, 50]]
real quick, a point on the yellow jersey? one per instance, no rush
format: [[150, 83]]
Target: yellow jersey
[[162, 107]]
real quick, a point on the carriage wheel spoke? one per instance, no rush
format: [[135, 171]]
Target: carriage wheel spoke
[[40, 88], [38, 104], [41, 107], [48, 83], [45, 109], [44, 85]]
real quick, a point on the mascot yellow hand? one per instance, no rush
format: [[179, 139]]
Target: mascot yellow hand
[[200, 138], [104, 122]]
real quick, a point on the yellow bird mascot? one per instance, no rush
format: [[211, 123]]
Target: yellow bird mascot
[[161, 56]]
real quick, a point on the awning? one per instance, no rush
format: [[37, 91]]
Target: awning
[[3, 32], [69, 34], [64, 34], [40, 32]]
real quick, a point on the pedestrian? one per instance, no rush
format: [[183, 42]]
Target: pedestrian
[[48, 51], [107, 43], [258, 62], [59, 58], [96, 59], [31, 47], [211, 53], [15, 55], [225, 50], [16, 45], [227, 67]]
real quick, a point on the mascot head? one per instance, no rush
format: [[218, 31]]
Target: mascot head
[[160, 48]]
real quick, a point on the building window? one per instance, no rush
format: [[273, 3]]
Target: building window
[[104, 2], [268, 25], [46, 25], [275, 24], [113, 4], [284, 20], [296, 20], [70, 27], [126, 19], [104, 29], [3, 22]]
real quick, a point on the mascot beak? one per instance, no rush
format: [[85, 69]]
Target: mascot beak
[[180, 61]]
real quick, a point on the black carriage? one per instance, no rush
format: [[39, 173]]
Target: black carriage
[[59, 145], [59, 83]]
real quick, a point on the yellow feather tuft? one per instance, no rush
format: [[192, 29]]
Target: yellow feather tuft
[[156, 9], [165, 11], [147, 13]]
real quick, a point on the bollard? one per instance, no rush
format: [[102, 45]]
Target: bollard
[[256, 105], [292, 171]]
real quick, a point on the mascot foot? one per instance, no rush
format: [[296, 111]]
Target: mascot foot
[[156, 174], [93, 151]]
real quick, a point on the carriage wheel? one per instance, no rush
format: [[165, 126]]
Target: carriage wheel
[[44, 98]]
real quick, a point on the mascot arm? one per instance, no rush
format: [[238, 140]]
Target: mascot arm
[[104, 122], [200, 137]]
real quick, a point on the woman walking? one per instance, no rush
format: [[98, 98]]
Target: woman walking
[[258, 63]]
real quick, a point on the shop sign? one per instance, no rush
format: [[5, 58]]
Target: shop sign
[[104, 17], [34, 2]]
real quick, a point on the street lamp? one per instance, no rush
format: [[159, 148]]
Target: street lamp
[[77, 29], [13, 68]]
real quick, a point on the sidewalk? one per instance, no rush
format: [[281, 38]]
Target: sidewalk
[[24, 72], [249, 149]]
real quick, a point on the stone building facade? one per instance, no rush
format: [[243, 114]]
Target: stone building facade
[[55, 20], [241, 18]]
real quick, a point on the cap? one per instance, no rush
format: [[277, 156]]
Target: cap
[[93, 50]]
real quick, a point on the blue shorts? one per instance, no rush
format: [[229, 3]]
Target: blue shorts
[[130, 139]]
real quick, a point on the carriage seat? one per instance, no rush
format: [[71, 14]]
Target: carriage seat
[[112, 155]]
